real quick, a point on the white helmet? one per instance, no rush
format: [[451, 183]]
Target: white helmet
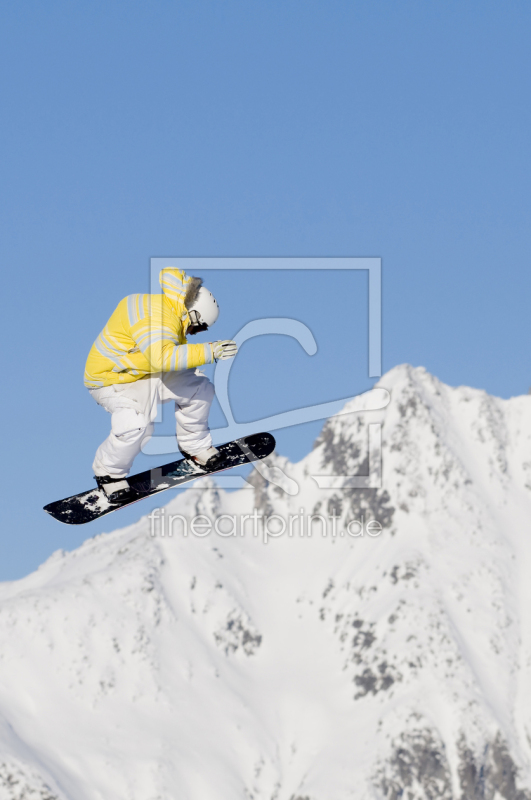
[[204, 310]]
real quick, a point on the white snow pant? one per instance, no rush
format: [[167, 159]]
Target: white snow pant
[[133, 407]]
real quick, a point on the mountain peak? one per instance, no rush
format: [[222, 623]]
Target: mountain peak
[[335, 642]]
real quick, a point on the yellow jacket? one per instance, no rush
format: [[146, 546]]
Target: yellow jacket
[[145, 334]]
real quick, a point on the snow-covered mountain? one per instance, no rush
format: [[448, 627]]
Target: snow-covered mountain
[[363, 663]]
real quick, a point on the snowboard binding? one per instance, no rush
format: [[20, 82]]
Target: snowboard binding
[[116, 490], [209, 460]]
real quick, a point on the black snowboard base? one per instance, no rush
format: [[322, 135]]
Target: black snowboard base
[[88, 506]]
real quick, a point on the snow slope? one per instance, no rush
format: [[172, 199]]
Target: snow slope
[[145, 666]]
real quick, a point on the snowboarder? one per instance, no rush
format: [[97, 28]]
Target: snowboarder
[[142, 358]]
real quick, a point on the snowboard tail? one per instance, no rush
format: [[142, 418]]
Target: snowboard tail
[[91, 505]]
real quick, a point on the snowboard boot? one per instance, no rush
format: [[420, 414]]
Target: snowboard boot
[[116, 490], [209, 458]]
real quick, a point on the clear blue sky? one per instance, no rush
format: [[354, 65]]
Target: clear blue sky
[[131, 130]]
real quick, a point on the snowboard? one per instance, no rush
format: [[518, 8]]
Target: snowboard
[[88, 506]]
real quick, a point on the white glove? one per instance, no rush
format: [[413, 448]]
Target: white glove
[[225, 349]]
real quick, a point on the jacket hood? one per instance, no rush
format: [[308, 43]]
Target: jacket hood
[[180, 289]]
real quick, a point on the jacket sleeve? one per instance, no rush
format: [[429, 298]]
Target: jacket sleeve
[[159, 343]]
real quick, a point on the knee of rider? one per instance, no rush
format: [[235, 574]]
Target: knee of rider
[[128, 425], [148, 432], [206, 389], [203, 391]]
